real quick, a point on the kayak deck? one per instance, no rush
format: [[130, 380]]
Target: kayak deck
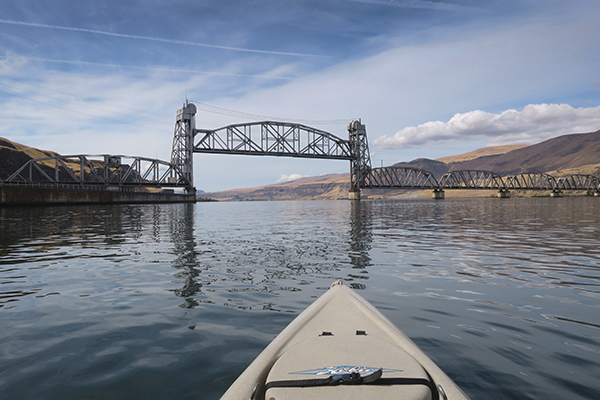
[[341, 347]]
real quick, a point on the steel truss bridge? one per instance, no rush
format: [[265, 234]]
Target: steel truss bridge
[[98, 172], [268, 138], [414, 178]]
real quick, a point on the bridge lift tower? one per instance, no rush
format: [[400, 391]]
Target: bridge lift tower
[[182, 153]]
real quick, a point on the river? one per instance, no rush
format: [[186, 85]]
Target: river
[[175, 300]]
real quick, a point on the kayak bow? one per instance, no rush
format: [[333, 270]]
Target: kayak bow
[[341, 347]]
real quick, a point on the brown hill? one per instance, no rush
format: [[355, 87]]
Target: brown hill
[[436, 167], [575, 153], [483, 152], [579, 152], [330, 186], [14, 155]]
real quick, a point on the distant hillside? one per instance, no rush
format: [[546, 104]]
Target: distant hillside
[[486, 151], [437, 168], [330, 186], [579, 152], [575, 153], [14, 155]]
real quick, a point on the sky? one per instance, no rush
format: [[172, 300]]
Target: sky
[[428, 78]]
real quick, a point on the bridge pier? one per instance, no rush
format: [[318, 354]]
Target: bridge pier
[[503, 194], [556, 193], [354, 194], [438, 194]]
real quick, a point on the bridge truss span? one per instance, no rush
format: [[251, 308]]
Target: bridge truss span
[[99, 170], [471, 179], [271, 138], [578, 182], [530, 181], [400, 177]]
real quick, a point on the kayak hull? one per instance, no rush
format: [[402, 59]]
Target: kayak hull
[[341, 347]]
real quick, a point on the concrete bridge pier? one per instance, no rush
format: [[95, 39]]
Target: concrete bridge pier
[[556, 193], [503, 194], [438, 194], [354, 194]]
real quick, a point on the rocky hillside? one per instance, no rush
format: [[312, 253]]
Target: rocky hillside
[[568, 154], [14, 155], [577, 153]]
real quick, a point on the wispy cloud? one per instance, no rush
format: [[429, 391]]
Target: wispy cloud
[[182, 42], [536, 122], [423, 4], [163, 69]]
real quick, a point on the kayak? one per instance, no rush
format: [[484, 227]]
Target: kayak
[[342, 347]]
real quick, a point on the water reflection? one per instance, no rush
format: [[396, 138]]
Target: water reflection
[[181, 227], [227, 258], [361, 237]]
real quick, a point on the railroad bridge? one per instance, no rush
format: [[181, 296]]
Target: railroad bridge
[[269, 138], [284, 139]]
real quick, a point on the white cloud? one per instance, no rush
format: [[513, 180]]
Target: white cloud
[[535, 123], [288, 178]]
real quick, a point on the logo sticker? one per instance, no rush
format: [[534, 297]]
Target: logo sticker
[[342, 370]]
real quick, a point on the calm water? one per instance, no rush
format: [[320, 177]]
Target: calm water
[[174, 301]]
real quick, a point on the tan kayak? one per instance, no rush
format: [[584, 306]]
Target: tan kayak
[[341, 347]]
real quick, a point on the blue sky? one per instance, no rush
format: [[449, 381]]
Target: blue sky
[[428, 78]]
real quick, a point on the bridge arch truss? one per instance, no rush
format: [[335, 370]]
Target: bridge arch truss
[[530, 181], [578, 182], [471, 179], [399, 177], [271, 138]]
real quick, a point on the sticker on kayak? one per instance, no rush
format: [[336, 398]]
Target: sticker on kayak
[[341, 370]]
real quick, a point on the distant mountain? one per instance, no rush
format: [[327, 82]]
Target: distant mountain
[[483, 152], [330, 186], [437, 168], [575, 152]]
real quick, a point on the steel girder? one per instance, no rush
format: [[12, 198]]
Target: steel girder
[[110, 170], [270, 138], [400, 177], [471, 179], [578, 182], [530, 181]]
